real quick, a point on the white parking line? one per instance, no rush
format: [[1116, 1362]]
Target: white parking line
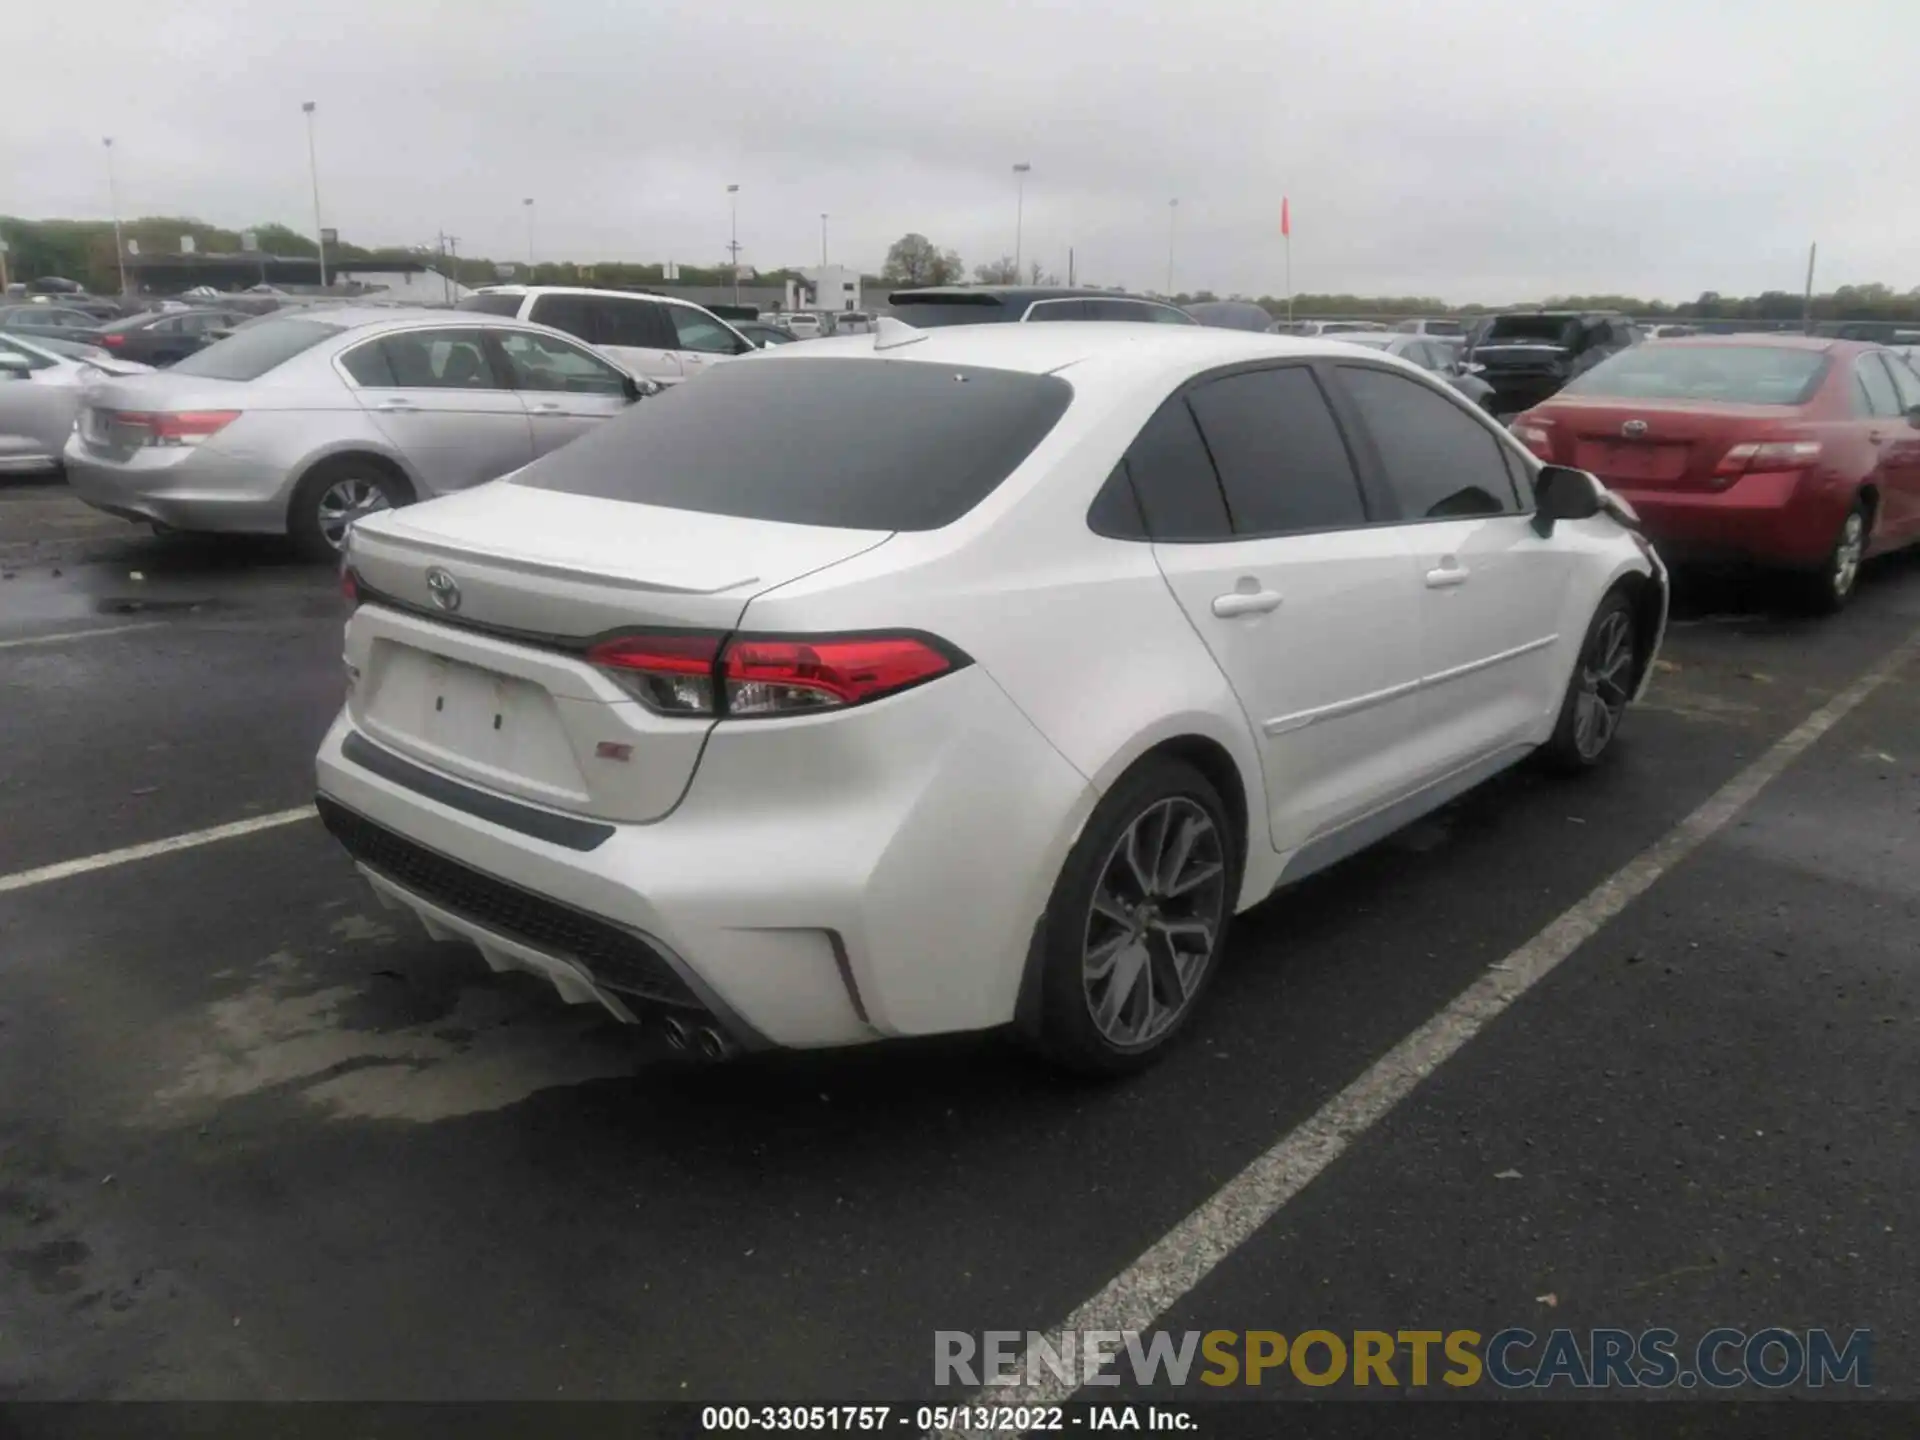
[[1186, 1254], [25, 879], [57, 638]]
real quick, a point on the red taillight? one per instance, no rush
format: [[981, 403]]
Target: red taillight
[[1767, 455], [113, 341], [176, 427], [349, 585], [772, 677], [1535, 435], [669, 672], [676, 673]]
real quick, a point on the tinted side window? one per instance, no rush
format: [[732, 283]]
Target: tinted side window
[[1179, 494], [1439, 461], [440, 360], [571, 313], [1059, 310], [695, 330], [1877, 386], [368, 365], [627, 322], [541, 362], [1283, 464]]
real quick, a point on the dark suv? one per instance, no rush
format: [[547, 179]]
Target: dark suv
[[1008, 304], [1529, 355]]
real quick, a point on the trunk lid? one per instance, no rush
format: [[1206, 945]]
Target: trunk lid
[[1658, 444], [490, 682]]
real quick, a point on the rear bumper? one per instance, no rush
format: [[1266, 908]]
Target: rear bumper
[[826, 881], [1780, 518], [188, 488]]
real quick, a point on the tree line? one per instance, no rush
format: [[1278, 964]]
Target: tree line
[[83, 250]]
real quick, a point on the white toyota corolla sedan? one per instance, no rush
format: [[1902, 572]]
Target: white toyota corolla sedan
[[935, 681]]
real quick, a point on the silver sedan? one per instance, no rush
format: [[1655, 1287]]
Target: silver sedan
[[302, 424], [42, 383]]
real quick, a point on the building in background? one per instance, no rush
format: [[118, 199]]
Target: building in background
[[824, 287]]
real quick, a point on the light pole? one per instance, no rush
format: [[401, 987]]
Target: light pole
[[733, 237], [113, 200], [527, 205], [1019, 212], [823, 239], [313, 166], [1173, 215]]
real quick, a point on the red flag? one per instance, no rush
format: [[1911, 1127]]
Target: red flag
[[1286, 222]]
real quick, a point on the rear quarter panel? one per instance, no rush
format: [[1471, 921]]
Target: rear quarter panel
[[1080, 631]]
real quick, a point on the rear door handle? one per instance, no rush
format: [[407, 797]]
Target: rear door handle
[[1446, 576], [398, 407], [1246, 602], [550, 407]]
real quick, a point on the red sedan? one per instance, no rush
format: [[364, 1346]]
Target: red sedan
[[1789, 451]]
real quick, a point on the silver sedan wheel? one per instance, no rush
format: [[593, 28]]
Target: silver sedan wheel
[[1847, 554], [1606, 678], [345, 501], [1157, 909]]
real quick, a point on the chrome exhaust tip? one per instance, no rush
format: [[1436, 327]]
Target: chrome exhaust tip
[[679, 1034], [714, 1045]]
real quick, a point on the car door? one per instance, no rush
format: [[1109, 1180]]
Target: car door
[[1493, 591], [703, 340], [1906, 447], [1896, 447], [565, 389], [1312, 612], [638, 334], [444, 402]]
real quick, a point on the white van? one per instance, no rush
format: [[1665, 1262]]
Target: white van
[[656, 336]]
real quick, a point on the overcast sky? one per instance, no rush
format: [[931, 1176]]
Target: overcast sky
[[1475, 151]]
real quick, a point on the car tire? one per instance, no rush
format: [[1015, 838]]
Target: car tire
[[334, 494], [1828, 589], [1137, 921], [1598, 691]]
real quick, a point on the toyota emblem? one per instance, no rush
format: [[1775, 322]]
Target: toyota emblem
[[1634, 429], [444, 589]]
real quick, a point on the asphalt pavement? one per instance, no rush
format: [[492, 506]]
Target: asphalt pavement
[[261, 1139]]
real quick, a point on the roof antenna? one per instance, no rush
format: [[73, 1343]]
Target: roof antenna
[[891, 334]]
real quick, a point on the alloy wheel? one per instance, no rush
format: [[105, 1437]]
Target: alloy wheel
[[345, 501], [1606, 677], [1157, 910]]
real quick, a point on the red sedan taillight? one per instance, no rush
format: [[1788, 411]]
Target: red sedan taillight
[[1535, 435], [1767, 455], [681, 673]]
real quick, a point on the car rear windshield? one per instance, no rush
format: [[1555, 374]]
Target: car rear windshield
[[252, 351], [937, 310], [859, 444], [1531, 329], [1733, 374], [508, 305]]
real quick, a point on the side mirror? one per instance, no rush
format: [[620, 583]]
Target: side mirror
[[638, 388], [1913, 416], [15, 367], [1562, 493]]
